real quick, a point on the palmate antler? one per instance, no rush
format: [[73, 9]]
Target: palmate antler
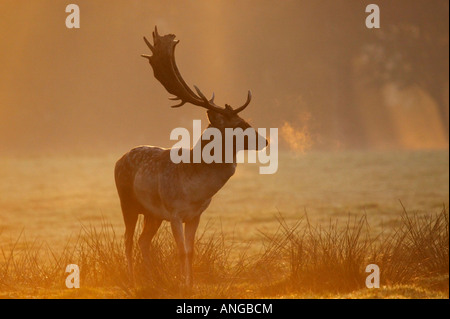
[[166, 71]]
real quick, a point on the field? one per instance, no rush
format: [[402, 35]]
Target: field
[[307, 231]]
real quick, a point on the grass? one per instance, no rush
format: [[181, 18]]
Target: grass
[[299, 260], [333, 259]]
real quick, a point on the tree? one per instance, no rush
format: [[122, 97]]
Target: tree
[[412, 49]]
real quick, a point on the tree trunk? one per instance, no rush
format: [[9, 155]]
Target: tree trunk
[[437, 94]]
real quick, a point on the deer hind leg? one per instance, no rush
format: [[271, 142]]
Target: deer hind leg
[[130, 217], [151, 226], [189, 235]]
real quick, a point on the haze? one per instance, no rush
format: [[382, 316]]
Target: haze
[[88, 90]]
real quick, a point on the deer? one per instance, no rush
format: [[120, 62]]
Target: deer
[[150, 184]]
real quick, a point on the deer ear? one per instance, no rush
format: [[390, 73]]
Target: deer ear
[[215, 118]]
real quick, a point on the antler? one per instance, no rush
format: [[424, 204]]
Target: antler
[[166, 71]]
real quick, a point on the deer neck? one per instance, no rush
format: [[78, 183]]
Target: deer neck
[[202, 143], [210, 177]]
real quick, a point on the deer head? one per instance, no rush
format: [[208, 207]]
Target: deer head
[[166, 71]]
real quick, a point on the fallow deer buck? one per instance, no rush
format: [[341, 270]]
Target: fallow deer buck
[[149, 183]]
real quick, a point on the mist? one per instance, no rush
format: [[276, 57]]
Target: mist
[[312, 66]]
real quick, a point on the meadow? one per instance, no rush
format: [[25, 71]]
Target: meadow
[[307, 231]]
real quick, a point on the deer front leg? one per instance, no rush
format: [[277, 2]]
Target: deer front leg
[[151, 226], [178, 234], [189, 235]]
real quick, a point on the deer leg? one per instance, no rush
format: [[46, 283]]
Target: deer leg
[[130, 218], [189, 235], [151, 226], [177, 230]]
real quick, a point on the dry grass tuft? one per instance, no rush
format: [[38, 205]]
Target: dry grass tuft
[[297, 260]]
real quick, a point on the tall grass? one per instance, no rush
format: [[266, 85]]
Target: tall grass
[[299, 258], [333, 259], [417, 250]]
